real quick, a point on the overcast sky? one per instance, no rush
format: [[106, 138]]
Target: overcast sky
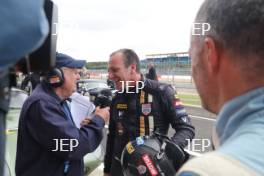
[[92, 30]]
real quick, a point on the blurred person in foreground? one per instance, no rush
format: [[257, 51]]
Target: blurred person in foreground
[[46, 128], [228, 69], [20, 34], [139, 112]]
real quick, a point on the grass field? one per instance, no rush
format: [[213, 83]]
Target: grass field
[[190, 98]]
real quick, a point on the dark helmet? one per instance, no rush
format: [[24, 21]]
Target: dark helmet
[[151, 156]]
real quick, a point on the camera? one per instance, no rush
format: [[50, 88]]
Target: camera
[[44, 57]]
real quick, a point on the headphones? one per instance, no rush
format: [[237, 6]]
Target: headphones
[[55, 77]]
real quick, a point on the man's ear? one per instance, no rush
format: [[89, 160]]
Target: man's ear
[[133, 68], [211, 54]]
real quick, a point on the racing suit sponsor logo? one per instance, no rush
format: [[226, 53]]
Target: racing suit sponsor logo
[[140, 140], [146, 108], [153, 171], [141, 169], [121, 106], [130, 148]]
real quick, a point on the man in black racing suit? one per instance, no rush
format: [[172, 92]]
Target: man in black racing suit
[[140, 107]]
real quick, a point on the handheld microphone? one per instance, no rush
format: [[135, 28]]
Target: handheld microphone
[[104, 98]]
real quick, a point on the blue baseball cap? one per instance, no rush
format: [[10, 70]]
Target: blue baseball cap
[[63, 60]]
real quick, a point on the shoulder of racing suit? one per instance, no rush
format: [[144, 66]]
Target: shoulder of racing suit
[[155, 87], [215, 163]]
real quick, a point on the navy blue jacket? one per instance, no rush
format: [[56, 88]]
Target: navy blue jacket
[[42, 120]]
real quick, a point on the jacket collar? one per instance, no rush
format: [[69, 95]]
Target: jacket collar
[[239, 111], [48, 89]]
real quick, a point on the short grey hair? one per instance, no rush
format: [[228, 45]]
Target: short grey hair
[[237, 26]]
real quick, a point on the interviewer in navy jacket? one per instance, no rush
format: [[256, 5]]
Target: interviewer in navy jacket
[[49, 143]]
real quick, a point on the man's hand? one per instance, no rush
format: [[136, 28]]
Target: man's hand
[[103, 113], [86, 121]]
